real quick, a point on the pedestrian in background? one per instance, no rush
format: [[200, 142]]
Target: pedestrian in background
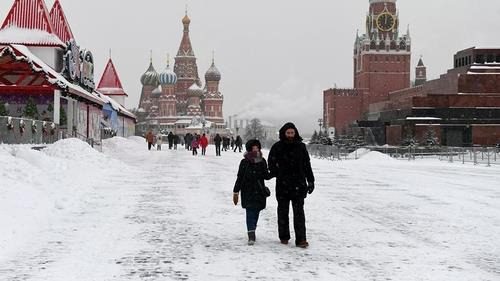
[[150, 139], [203, 144], [217, 142]]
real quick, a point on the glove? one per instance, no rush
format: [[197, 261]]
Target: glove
[[235, 198], [310, 187]]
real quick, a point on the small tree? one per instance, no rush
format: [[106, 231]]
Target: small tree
[[3, 110], [409, 139], [314, 138], [255, 130], [31, 109], [430, 137]]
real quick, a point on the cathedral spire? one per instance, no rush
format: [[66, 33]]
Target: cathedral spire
[[186, 49]]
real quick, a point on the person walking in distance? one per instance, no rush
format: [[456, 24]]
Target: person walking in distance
[[203, 144], [176, 141], [250, 182], [159, 140], [217, 142], [194, 145], [238, 143], [289, 162], [170, 139], [232, 143], [150, 139]]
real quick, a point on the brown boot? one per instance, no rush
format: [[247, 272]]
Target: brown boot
[[251, 238], [284, 242], [302, 244]]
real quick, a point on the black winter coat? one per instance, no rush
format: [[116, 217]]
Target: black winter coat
[[217, 140], [289, 162], [250, 182]]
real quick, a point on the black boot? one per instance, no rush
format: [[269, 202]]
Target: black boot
[[251, 238]]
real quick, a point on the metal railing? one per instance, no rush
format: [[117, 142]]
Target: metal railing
[[476, 155], [15, 130]]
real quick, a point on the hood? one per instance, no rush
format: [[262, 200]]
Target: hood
[[287, 126]]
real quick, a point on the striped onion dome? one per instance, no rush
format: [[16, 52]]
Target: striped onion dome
[[195, 90], [213, 74], [168, 76], [150, 78]]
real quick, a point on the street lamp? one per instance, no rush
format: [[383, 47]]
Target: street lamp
[[320, 122]]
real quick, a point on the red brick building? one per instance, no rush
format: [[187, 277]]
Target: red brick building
[[461, 106], [381, 64]]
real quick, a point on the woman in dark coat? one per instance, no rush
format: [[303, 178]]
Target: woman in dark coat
[[250, 182]]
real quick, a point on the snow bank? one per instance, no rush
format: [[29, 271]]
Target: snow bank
[[117, 145], [74, 149], [359, 153], [38, 187], [375, 156]]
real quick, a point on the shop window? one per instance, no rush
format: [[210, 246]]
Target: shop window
[[490, 58], [498, 58], [479, 59]]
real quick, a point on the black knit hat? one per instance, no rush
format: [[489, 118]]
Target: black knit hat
[[252, 143]]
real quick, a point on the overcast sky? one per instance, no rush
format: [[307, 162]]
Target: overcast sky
[[276, 57]]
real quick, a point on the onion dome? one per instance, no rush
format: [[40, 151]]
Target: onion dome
[[168, 76], [213, 74], [156, 93], [150, 78], [195, 90], [186, 19]]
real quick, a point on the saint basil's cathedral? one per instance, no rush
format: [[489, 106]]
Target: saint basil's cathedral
[[175, 100]]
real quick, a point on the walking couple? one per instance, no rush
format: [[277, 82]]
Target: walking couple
[[289, 162]]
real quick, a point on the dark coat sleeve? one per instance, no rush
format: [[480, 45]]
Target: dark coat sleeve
[[267, 174], [307, 165], [241, 175], [273, 162]]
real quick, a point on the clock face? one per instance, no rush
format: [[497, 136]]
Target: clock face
[[385, 22]]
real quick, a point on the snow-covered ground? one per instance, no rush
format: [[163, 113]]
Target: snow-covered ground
[[71, 213]]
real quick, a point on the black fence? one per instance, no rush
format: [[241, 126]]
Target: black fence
[[476, 155]]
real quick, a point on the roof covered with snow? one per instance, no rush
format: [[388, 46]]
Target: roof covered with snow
[[22, 53], [28, 22]]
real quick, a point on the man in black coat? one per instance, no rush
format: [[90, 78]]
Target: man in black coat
[[238, 144], [217, 141], [289, 162], [170, 138]]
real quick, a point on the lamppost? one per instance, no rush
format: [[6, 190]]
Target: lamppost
[[320, 122]]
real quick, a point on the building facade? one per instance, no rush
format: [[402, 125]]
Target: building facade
[[381, 64], [176, 100], [45, 75], [460, 106]]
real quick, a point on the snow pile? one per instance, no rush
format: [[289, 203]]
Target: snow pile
[[359, 153], [375, 156], [119, 145], [39, 187], [74, 149]]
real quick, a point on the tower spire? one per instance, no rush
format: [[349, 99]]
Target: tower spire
[[168, 60], [151, 56]]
